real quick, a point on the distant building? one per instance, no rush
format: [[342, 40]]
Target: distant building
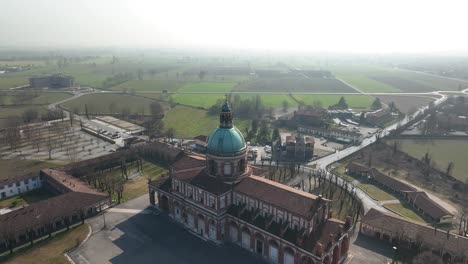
[[199, 143], [379, 117], [296, 147], [310, 116], [52, 81], [336, 134]]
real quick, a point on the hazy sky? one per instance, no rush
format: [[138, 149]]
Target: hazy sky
[[325, 25]]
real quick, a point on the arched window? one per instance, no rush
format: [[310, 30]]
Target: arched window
[[242, 165], [227, 168], [212, 167]]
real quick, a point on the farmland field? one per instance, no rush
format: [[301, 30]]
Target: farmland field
[[18, 110], [272, 100], [442, 152], [207, 100], [188, 122], [295, 85], [149, 85], [43, 98], [354, 101], [12, 81], [100, 103], [379, 79], [406, 103], [207, 87]]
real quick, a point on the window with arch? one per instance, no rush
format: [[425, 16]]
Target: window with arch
[[227, 168], [212, 167]]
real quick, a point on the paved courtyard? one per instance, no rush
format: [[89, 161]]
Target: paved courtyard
[[135, 235]]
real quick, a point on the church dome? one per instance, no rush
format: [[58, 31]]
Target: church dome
[[226, 142]]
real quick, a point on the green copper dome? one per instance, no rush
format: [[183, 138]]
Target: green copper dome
[[226, 142]]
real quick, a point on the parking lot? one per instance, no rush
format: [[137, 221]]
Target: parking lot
[[136, 235]]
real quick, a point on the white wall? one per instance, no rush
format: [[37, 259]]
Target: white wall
[[20, 187]]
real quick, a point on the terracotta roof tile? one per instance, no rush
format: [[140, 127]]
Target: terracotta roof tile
[[276, 194], [415, 230]]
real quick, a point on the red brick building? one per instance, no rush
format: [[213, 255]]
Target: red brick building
[[221, 198]]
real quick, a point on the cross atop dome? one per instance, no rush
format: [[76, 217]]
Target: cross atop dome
[[226, 107]]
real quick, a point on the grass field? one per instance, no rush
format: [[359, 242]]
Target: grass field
[[32, 63], [354, 101], [188, 122], [137, 187], [44, 98], [50, 250], [7, 81], [223, 87], [100, 103], [376, 192], [369, 78], [406, 211], [272, 100], [149, 85], [442, 152], [13, 167], [18, 110], [294, 85], [26, 198]]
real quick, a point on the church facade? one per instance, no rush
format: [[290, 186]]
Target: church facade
[[220, 197]]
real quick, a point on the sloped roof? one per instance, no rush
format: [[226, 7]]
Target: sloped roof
[[279, 195], [429, 206], [415, 230], [70, 182], [46, 211], [390, 181]]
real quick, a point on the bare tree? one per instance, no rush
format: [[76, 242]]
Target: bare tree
[[450, 167], [51, 144]]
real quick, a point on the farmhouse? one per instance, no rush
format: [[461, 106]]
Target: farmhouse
[[333, 133], [418, 199], [297, 147], [310, 116], [24, 183], [221, 198], [76, 201], [409, 234], [52, 81], [379, 117]]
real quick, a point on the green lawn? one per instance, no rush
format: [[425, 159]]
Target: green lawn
[[18, 110], [376, 192], [366, 84], [149, 85], [50, 250], [8, 81], [370, 78], [188, 122], [223, 87], [202, 100], [442, 152], [137, 187], [12, 167], [207, 100], [340, 171], [100, 103], [272, 100], [43, 98], [354, 101], [26, 198], [406, 211]]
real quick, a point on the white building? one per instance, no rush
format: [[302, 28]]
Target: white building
[[20, 184]]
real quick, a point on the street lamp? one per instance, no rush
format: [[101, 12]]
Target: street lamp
[[394, 255]]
